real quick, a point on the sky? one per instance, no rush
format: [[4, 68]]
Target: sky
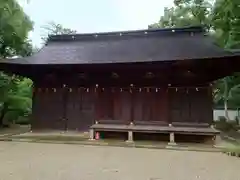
[[89, 16]]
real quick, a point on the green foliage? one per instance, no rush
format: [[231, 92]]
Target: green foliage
[[15, 99], [14, 28], [226, 22], [226, 126], [185, 13], [230, 93]]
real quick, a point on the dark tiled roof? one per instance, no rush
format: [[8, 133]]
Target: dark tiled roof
[[128, 46]]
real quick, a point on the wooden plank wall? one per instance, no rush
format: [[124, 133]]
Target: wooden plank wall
[[150, 105], [82, 107], [48, 109], [124, 105], [190, 105]]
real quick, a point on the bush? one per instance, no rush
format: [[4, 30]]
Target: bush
[[224, 125], [23, 120]]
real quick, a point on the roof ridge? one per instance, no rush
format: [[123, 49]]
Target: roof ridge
[[131, 33]]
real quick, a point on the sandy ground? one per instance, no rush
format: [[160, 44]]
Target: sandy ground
[[30, 161]]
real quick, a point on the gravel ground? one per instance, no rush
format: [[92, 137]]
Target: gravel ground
[[36, 161]]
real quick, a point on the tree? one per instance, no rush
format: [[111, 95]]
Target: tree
[[227, 91], [53, 28], [14, 28], [15, 95], [226, 23], [185, 13]]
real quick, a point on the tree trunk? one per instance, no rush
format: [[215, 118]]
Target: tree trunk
[[226, 94], [3, 112], [226, 110]]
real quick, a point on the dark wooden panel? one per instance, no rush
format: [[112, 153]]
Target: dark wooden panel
[[125, 104], [190, 105], [201, 109], [80, 109], [122, 105], [48, 109], [150, 104], [159, 105], [179, 105], [104, 104], [113, 104], [137, 106]]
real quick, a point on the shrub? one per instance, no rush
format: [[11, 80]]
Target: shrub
[[223, 125], [23, 120]]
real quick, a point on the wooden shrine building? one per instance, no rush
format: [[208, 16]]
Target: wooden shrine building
[[147, 81]]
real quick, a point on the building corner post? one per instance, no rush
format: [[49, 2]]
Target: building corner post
[[172, 139], [130, 136], [91, 134]]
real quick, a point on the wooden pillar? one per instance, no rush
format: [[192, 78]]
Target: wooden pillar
[[217, 140], [65, 97], [34, 94], [96, 106], [132, 105], [130, 136], [91, 134], [172, 139]]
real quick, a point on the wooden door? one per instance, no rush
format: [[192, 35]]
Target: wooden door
[[201, 105], [48, 109], [179, 105], [113, 105], [150, 105], [80, 109], [122, 105]]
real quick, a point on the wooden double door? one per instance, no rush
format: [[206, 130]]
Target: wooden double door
[[63, 109], [190, 105], [79, 109]]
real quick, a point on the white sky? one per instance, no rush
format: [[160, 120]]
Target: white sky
[[88, 16]]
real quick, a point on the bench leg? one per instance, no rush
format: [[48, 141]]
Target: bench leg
[[172, 139], [130, 136], [91, 134], [217, 140]]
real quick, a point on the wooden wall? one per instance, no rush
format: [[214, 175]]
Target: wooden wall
[[79, 108], [48, 109], [190, 105]]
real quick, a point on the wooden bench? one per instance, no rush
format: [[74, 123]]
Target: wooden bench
[[171, 130]]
